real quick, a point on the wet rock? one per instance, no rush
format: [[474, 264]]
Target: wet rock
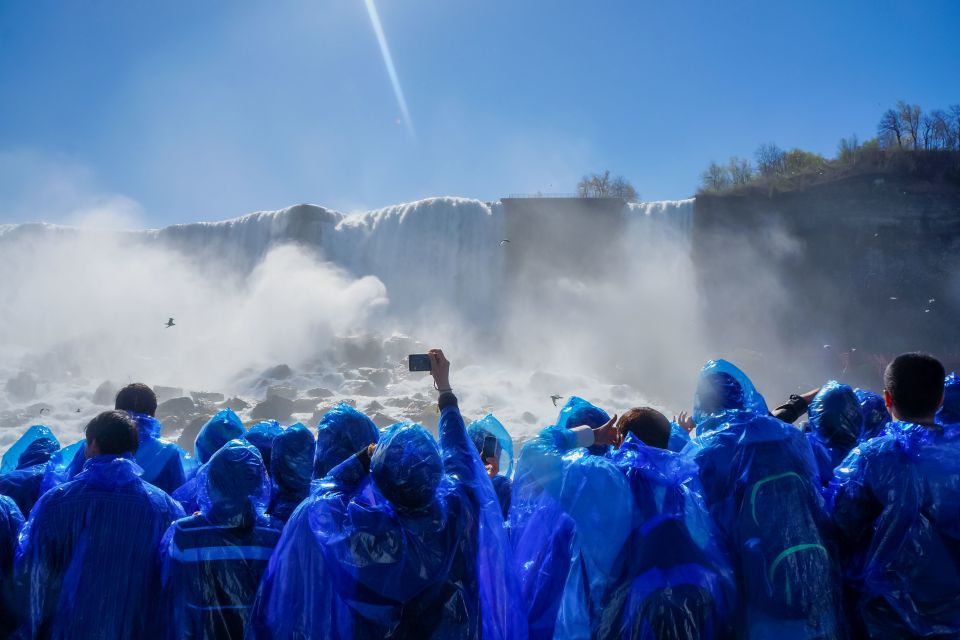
[[237, 404], [273, 408], [176, 407], [359, 388], [285, 391], [206, 397], [528, 417], [279, 372], [319, 392], [305, 405], [382, 420], [167, 393], [22, 386], [106, 394], [189, 432]]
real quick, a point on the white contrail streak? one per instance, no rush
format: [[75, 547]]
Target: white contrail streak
[[388, 62]]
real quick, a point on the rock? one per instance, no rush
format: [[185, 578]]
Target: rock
[[382, 420], [206, 397], [176, 407], [528, 417], [372, 407], [35, 408], [106, 394], [359, 388], [273, 408], [22, 387], [279, 372], [188, 435], [319, 392], [167, 393], [235, 403], [378, 377], [305, 405], [285, 391]]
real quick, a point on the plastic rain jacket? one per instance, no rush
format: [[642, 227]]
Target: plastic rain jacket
[[835, 427], [341, 432], [261, 435], [291, 470], [875, 414], [11, 521], [218, 431], [478, 431], [88, 562], [896, 504], [949, 413], [161, 461], [577, 412], [213, 561], [22, 482], [756, 472], [415, 548]]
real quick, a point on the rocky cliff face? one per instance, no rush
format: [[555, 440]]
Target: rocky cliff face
[[869, 265]]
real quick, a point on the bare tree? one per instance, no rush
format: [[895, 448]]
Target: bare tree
[[926, 131], [910, 116], [848, 149], [769, 159], [601, 185], [715, 178], [891, 128], [740, 171], [621, 188], [954, 111]]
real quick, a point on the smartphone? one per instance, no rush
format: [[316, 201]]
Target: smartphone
[[491, 448], [419, 362]]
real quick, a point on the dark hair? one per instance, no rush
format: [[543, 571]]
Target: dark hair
[[915, 384], [646, 423], [138, 398], [115, 432]]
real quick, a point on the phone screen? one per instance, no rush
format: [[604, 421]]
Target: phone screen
[[419, 362], [490, 448]]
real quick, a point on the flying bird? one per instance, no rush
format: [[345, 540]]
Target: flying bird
[[42, 409], [78, 410], [555, 397], [170, 323], [503, 242]]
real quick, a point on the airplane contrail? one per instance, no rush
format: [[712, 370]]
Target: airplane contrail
[[388, 62]]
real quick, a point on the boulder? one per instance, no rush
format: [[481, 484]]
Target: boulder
[[106, 394], [206, 397], [273, 408], [22, 386], [359, 388], [235, 403], [319, 392], [167, 393], [286, 391], [176, 407], [279, 372]]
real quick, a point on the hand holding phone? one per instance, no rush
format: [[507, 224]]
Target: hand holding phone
[[418, 362]]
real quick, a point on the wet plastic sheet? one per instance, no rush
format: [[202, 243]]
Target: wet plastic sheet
[[12, 457], [11, 521], [218, 431], [835, 426], [478, 431], [341, 432], [415, 548], [262, 435], [949, 413], [291, 470], [23, 481], [757, 475], [875, 414], [88, 561], [896, 504], [578, 412], [213, 561], [63, 465], [161, 461]]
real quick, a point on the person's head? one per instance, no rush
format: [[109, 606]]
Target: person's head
[[291, 464], [137, 398], [218, 431], [875, 414], [913, 387], [723, 387], [835, 415], [111, 433], [233, 485], [342, 432], [490, 436], [406, 466], [647, 424], [262, 435]]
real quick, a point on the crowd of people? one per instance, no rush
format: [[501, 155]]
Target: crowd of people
[[735, 521]]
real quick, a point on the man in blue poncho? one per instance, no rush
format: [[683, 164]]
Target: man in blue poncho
[[218, 431], [875, 414], [161, 461], [758, 477], [341, 432], [23, 483], [88, 562], [213, 561], [949, 412], [835, 426], [896, 503], [11, 521], [291, 469], [495, 447], [402, 540]]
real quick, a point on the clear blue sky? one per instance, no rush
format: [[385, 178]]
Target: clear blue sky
[[181, 111]]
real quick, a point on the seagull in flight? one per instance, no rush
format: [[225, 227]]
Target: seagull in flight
[[503, 242], [170, 323], [555, 397]]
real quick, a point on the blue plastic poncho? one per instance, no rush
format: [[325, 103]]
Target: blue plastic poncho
[[262, 435], [679, 438], [479, 431], [218, 431], [896, 504], [13, 458], [89, 559], [577, 412], [161, 461], [342, 432], [836, 424], [875, 414], [291, 470], [756, 474], [11, 521], [679, 583], [213, 561], [63, 465], [22, 483], [949, 413], [415, 548]]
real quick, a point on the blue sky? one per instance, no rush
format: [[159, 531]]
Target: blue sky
[[180, 111]]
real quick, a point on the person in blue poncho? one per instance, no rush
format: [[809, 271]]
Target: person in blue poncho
[[22, 484], [291, 470], [11, 521], [161, 461], [88, 564], [495, 447], [401, 540], [949, 412], [213, 561], [835, 427], [875, 414], [262, 435], [341, 432], [896, 504], [758, 477], [218, 431]]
